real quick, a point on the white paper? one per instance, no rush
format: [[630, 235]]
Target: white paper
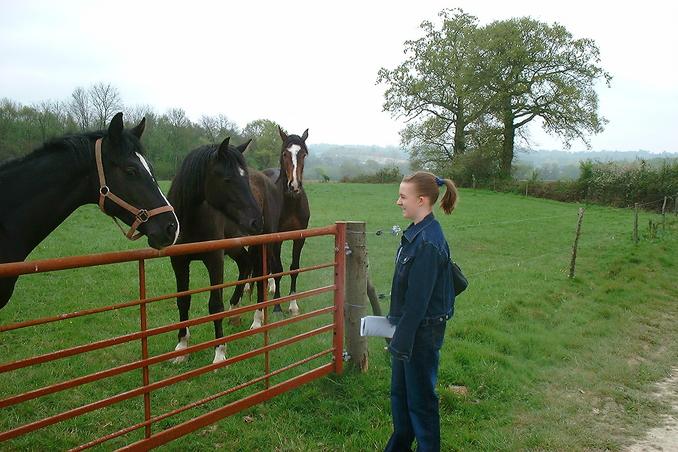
[[373, 325]]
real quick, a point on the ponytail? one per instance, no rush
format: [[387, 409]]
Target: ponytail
[[449, 201]]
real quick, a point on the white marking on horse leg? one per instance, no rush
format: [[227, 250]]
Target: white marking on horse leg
[[294, 308], [271, 285], [219, 353], [183, 344], [148, 169], [258, 319], [247, 287]]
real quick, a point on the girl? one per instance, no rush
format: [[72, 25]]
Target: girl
[[422, 300]]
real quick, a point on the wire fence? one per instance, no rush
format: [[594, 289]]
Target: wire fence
[[616, 229]]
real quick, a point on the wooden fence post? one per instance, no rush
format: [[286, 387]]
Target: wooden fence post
[[664, 215], [576, 241], [355, 306], [527, 185], [635, 223], [675, 204]]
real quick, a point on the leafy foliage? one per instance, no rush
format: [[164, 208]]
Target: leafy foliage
[[465, 88]]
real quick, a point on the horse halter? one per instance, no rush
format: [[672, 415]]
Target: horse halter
[[140, 215]]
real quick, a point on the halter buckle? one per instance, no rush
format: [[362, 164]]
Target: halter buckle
[[104, 190], [143, 215]]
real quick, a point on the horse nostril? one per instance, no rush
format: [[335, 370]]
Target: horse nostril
[[171, 228], [255, 225]]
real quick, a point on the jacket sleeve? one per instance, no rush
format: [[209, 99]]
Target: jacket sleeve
[[420, 283]]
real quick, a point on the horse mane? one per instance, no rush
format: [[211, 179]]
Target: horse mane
[[77, 144], [187, 186]]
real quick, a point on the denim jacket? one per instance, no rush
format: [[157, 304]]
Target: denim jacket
[[421, 292]]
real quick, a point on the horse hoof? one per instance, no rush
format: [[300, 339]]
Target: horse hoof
[[294, 312], [219, 354], [258, 319], [179, 359]]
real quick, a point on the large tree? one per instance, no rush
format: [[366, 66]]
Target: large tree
[[536, 70], [436, 89], [460, 83]]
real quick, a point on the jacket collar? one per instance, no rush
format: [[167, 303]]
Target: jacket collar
[[414, 229]]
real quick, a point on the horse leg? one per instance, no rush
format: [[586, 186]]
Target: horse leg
[[6, 289], [257, 266], [181, 267], [276, 267], [242, 259], [214, 262], [296, 257]]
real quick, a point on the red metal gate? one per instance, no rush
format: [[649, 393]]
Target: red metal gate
[[155, 438]]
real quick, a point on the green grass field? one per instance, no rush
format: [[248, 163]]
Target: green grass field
[[549, 363]]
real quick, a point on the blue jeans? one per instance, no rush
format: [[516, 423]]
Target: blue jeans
[[414, 402]]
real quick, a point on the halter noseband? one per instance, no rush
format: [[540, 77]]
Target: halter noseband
[[140, 215]]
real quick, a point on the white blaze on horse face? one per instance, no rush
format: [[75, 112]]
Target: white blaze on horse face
[[148, 169], [294, 150], [241, 172]]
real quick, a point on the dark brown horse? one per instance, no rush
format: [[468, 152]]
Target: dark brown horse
[[211, 189], [295, 212], [39, 191], [281, 196]]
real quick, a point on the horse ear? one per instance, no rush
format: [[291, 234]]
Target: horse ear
[[283, 135], [223, 148], [305, 135], [115, 127], [139, 129], [243, 147]]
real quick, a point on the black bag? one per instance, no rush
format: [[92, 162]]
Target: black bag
[[458, 279]]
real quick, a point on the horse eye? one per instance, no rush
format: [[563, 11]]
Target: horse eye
[[131, 171]]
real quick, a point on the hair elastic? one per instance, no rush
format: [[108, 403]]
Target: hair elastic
[[439, 182]]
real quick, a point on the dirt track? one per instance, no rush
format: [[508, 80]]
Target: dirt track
[[665, 437]]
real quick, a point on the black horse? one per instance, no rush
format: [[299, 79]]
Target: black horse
[[295, 212], [211, 188], [39, 191]]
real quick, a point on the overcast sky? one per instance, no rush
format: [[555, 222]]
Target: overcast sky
[[314, 64]]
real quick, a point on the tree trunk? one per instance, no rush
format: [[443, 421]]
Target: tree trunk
[[459, 137], [459, 126], [507, 144]]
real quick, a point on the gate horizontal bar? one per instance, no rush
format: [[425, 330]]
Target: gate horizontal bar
[[26, 428], [198, 403], [96, 376], [154, 331], [137, 302], [63, 263], [209, 418]]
